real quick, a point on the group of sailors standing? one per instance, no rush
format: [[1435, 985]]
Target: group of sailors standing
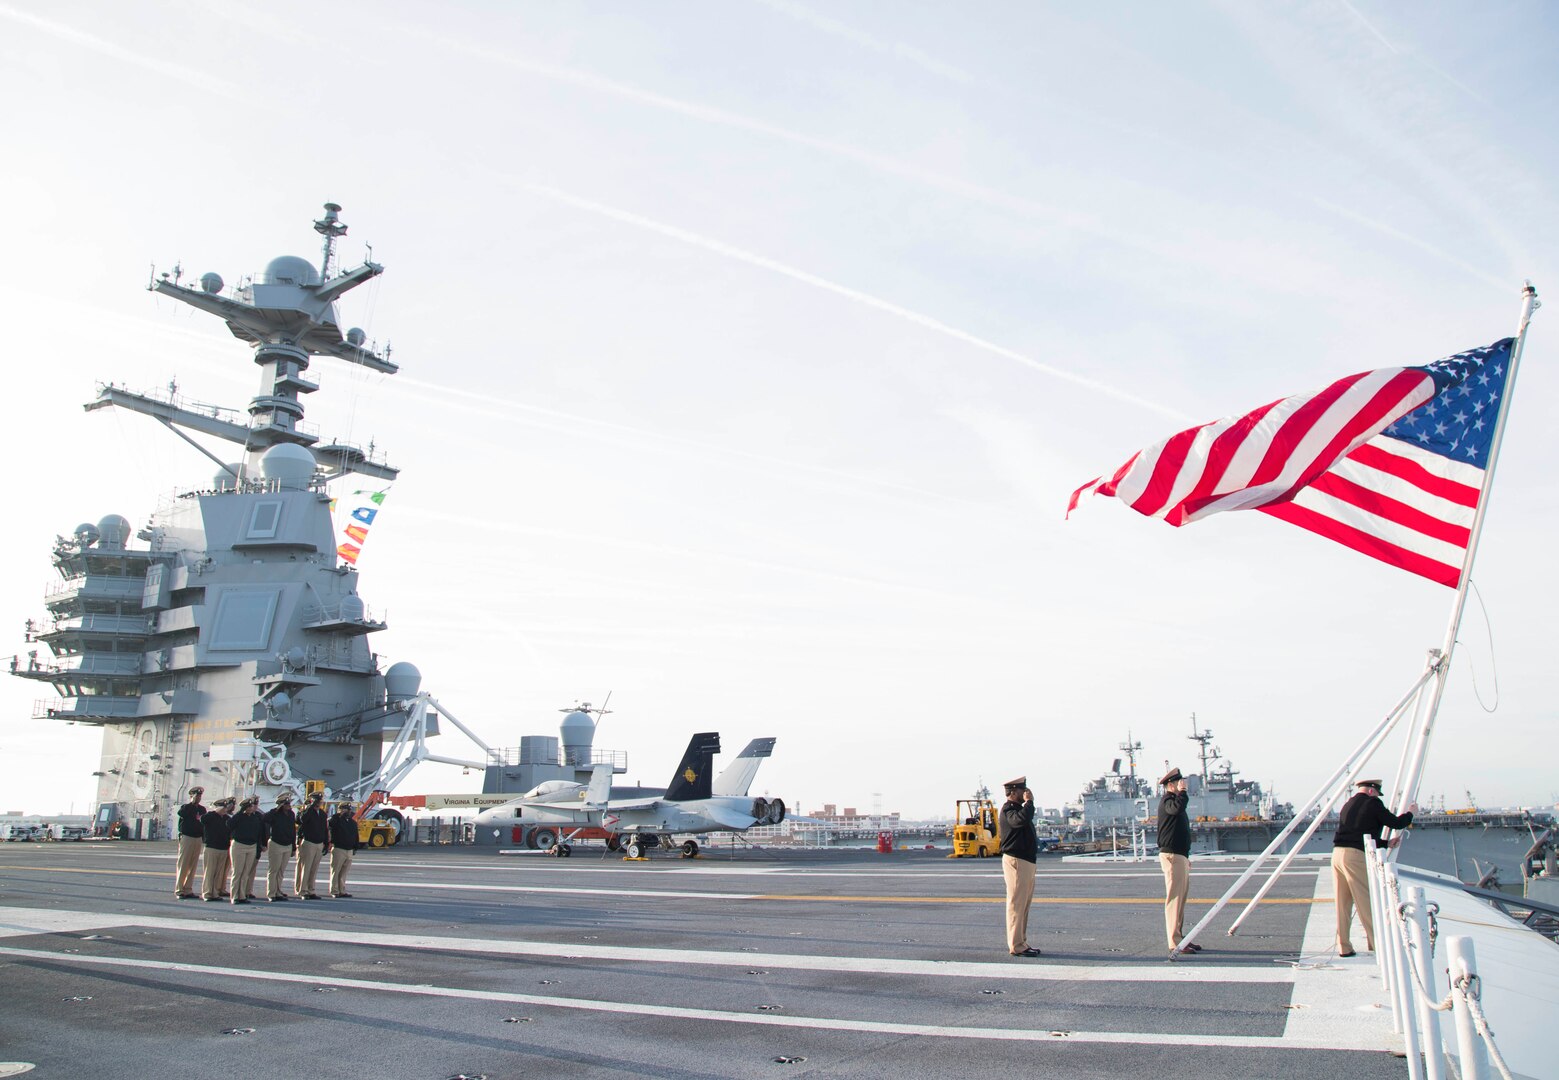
[[1363, 815], [233, 833]]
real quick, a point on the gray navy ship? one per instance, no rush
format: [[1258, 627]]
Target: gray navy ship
[[225, 643], [1219, 800]]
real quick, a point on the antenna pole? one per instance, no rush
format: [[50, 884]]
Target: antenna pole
[[329, 227]]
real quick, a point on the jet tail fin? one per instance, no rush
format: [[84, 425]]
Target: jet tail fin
[[692, 779], [737, 777], [600, 789]]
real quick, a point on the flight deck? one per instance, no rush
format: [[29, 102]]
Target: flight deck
[[461, 962]]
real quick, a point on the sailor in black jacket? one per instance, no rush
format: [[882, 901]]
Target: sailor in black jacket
[[313, 842], [248, 830], [343, 843], [1019, 850], [283, 826], [1174, 857], [191, 840], [1363, 815], [215, 834]]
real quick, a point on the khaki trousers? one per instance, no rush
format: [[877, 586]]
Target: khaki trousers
[[216, 873], [1019, 876], [244, 857], [277, 856], [1177, 884], [340, 863], [1350, 881], [308, 866], [189, 855]]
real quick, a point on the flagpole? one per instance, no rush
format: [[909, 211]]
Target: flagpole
[[1406, 787], [1355, 768], [1365, 749]]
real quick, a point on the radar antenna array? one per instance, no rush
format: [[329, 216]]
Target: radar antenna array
[[330, 227]]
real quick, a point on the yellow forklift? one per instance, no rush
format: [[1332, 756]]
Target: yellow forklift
[[372, 832], [974, 828]]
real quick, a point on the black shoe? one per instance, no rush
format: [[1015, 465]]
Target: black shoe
[[186, 896], [225, 895], [212, 899], [311, 896], [1192, 947], [1027, 952], [240, 901], [341, 896], [1345, 955]]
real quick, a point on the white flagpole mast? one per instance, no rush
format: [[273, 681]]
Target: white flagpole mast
[[1320, 802], [1405, 791]]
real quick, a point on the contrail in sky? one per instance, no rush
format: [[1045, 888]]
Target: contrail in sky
[[848, 293], [485, 403], [198, 79], [900, 49]]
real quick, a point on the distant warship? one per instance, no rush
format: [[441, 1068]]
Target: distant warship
[[232, 650], [1218, 798]]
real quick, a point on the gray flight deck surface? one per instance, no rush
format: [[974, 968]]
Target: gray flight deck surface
[[450, 961]]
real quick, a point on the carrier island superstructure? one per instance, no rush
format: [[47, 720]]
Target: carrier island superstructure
[[226, 644]]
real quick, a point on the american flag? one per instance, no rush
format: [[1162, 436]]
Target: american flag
[[1388, 462]]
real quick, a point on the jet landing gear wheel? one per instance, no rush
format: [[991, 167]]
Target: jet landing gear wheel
[[563, 851], [543, 839], [633, 849], [690, 849]]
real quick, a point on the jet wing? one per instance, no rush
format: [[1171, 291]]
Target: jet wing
[[635, 804]]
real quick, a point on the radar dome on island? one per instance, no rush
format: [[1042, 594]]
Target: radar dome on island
[[291, 270], [113, 531], [402, 681], [226, 479], [290, 465]]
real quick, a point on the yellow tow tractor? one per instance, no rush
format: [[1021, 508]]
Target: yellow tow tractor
[[372, 832], [974, 828]]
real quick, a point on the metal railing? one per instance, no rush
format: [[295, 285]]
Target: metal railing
[[1407, 936]]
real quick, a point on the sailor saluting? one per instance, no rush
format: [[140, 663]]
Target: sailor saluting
[[191, 839]]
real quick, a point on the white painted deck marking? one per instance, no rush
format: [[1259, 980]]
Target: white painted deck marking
[[1339, 1002], [16, 922], [992, 870], [638, 1009]]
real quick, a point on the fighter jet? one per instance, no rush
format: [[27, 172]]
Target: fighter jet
[[637, 819]]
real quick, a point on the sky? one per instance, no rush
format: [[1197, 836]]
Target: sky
[[750, 350]]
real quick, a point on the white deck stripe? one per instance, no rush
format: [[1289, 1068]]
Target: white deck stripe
[[16, 922], [1336, 1001], [1084, 872], [637, 1009]]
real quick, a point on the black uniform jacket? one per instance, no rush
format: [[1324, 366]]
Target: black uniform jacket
[[214, 827], [1174, 828], [1018, 838], [189, 819], [1365, 815], [343, 832], [283, 824], [314, 826], [247, 828]]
